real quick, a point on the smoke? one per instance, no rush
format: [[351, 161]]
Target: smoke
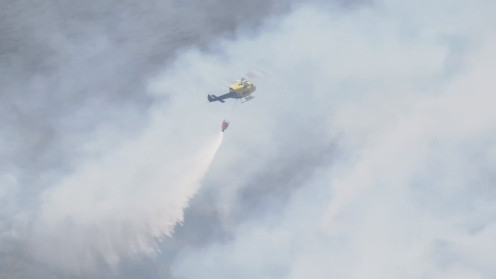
[[368, 153], [81, 134], [404, 95]]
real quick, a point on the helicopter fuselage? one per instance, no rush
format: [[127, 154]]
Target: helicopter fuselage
[[242, 89]]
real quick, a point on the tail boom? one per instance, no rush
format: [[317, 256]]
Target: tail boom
[[213, 98]]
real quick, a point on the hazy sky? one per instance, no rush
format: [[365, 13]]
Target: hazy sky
[[368, 152]]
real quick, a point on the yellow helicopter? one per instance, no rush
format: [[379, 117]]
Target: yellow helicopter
[[239, 90]]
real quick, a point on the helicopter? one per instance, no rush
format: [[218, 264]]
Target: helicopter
[[239, 90]]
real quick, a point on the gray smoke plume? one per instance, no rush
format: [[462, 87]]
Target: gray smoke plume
[[368, 151]]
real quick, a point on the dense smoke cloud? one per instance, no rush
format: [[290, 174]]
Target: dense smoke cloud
[[368, 152], [404, 96], [74, 78]]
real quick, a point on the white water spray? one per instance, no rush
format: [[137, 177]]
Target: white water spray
[[123, 204]]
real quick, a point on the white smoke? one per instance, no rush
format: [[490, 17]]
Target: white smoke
[[406, 92], [403, 90]]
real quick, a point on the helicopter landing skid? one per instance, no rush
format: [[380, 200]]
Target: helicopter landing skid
[[247, 99]]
